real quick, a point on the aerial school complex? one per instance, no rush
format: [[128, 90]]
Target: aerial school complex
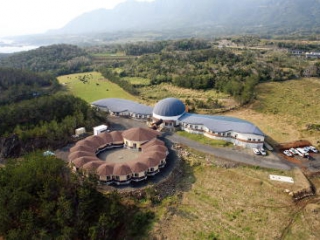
[[170, 114], [148, 153]]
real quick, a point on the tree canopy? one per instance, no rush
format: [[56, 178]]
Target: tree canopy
[[41, 199], [57, 59]]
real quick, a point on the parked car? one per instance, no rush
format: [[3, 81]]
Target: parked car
[[256, 151], [313, 149], [288, 153], [307, 149], [302, 152], [262, 151], [293, 151]]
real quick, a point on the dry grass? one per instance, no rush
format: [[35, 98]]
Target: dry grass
[[283, 109], [235, 203], [158, 92]]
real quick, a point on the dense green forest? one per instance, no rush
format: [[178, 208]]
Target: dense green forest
[[17, 85], [201, 64], [35, 114], [57, 59], [47, 121], [41, 199], [234, 68]]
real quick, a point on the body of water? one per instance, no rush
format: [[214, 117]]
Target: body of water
[[8, 46], [12, 49]]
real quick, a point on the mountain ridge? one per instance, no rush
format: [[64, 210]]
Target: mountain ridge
[[241, 15]]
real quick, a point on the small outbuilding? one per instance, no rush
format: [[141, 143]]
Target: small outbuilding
[[99, 129]]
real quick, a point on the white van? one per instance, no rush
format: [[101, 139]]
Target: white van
[[302, 152]]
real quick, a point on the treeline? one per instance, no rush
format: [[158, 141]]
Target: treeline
[[41, 199], [17, 85], [57, 59], [307, 47], [46, 121], [140, 48], [224, 69], [214, 68], [111, 76]]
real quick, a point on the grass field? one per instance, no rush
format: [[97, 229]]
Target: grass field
[[92, 86], [283, 110], [138, 81], [213, 202], [158, 92], [204, 140]]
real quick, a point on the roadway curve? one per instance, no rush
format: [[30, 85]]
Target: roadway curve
[[234, 154]]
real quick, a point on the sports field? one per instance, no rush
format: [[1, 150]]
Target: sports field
[[92, 86]]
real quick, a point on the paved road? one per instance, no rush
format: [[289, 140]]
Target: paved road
[[233, 154]]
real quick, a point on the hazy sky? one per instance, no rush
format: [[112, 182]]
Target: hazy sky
[[20, 17]]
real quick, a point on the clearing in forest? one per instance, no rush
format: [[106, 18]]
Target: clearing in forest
[[92, 86]]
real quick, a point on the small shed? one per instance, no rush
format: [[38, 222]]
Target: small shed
[[80, 131], [99, 129]]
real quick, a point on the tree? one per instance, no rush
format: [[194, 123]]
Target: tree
[[41, 198]]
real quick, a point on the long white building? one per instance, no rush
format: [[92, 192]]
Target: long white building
[[171, 114]]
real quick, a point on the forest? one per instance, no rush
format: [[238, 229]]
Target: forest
[[200, 64], [40, 198], [17, 85], [56, 59], [37, 114]]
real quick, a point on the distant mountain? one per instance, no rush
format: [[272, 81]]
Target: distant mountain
[[231, 16]]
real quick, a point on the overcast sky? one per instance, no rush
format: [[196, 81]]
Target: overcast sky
[[21, 17]]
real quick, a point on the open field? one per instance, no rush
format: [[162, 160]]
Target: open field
[[284, 109], [92, 86], [204, 140], [158, 92], [213, 202], [138, 81]]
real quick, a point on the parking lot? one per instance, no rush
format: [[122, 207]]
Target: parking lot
[[311, 163]]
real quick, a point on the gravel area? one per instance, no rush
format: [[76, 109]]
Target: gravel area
[[121, 155]]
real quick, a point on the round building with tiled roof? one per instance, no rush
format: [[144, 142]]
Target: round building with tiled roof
[[148, 154]]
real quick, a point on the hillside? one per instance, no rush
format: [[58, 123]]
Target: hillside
[[229, 16], [57, 59]]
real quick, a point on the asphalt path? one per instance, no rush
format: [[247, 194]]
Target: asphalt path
[[238, 155], [234, 154]]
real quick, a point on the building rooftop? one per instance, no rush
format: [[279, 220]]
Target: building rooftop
[[169, 107], [140, 134], [221, 124], [121, 105]]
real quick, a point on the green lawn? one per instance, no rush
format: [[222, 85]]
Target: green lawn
[[204, 140], [138, 81], [92, 86]]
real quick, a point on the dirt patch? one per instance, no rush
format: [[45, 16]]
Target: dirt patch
[[295, 144]]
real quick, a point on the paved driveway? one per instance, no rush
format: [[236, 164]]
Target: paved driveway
[[234, 154], [242, 156]]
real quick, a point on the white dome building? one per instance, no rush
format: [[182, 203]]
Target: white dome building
[[168, 111], [171, 114]]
